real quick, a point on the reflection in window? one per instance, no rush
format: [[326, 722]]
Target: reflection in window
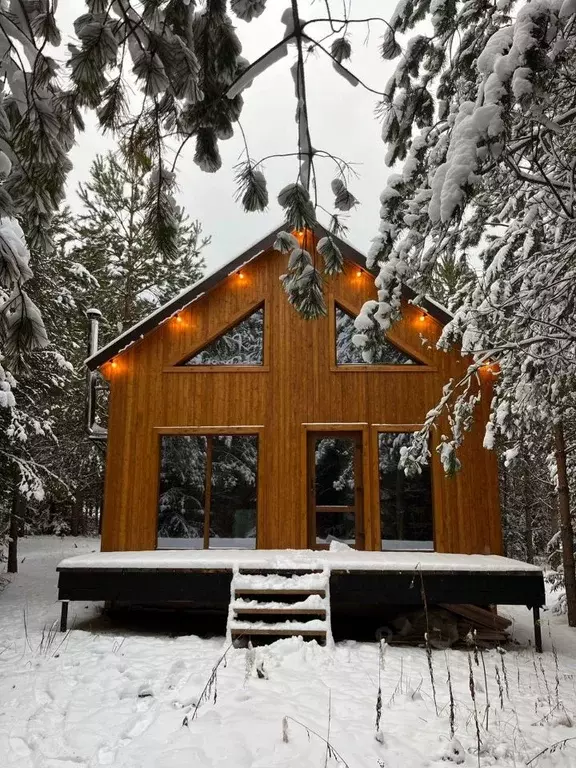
[[405, 502], [182, 489], [336, 526], [334, 472], [347, 353], [243, 344], [194, 468], [335, 495], [233, 498]]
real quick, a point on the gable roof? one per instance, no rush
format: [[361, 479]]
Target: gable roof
[[205, 284]]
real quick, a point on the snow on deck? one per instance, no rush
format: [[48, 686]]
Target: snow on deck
[[338, 559]]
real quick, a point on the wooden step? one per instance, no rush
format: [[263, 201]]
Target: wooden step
[[279, 632], [320, 612], [286, 572], [242, 591]]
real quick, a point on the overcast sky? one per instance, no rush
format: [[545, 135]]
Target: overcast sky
[[342, 122]]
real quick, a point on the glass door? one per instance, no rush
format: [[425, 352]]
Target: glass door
[[335, 493]]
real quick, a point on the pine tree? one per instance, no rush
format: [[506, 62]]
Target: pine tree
[[181, 61], [34, 451], [111, 241], [103, 256], [481, 113], [452, 280]]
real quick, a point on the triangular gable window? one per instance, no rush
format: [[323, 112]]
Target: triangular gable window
[[242, 344], [347, 353]]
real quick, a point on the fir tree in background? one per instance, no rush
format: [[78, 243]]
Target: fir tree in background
[[111, 241], [102, 257], [452, 280]]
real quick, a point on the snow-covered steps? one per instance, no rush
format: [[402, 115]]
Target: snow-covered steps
[[311, 583], [273, 605]]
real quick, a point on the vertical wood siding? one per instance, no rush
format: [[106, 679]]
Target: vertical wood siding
[[298, 385]]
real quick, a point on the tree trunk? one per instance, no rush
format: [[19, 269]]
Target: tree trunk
[[554, 527], [16, 514], [528, 537], [566, 529], [504, 480], [75, 516]]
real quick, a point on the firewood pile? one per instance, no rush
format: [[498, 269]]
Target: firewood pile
[[448, 626]]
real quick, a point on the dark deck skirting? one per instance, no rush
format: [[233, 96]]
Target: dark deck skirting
[[350, 591]]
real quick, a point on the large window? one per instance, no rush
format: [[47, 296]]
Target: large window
[[347, 353], [208, 489], [242, 344], [405, 502]]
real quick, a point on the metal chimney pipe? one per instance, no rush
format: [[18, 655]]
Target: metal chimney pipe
[[94, 316]]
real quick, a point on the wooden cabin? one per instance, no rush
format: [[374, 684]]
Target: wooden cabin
[[293, 438], [252, 466]]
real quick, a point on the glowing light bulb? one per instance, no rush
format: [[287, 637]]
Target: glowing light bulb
[[114, 364], [241, 275], [359, 273], [423, 317], [178, 319]]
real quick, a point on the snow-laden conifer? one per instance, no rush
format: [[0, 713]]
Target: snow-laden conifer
[[341, 49], [332, 255], [344, 200], [285, 242], [298, 207], [248, 9], [481, 112], [303, 286], [252, 188]]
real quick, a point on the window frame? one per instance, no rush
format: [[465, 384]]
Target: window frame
[[423, 364], [224, 431], [182, 367], [375, 430]]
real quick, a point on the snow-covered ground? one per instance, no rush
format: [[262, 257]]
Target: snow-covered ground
[[102, 697]]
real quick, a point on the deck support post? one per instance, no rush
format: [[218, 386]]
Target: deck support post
[[64, 616], [537, 629]]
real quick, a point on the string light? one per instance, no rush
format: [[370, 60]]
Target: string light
[[241, 275], [422, 317], [359, 273], [114, 364], [178, 318]]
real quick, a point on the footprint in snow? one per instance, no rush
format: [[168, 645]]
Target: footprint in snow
[[137, 728], [19, 746], [175, 675], [106, 756]]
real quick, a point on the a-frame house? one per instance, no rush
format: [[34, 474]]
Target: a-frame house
[[235, 423], [289, 382]]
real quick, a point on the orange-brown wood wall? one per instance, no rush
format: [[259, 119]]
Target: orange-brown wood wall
[[297, 386]]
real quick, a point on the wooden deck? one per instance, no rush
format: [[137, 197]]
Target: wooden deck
[[360, 583]]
